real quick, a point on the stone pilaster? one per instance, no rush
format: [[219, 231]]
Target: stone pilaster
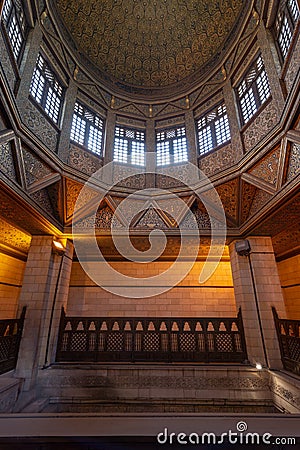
[[44, 291], [109, 137], [256, 297], [70, 99], [271, 67], [28, 65], [151, 159]]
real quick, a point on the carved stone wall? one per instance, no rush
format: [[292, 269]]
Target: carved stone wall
[[261, 126], [173, 176], [218, 160], [128, 176], [293, 65], [6, 161], [40, 126], [6, 63], [83, 160], [35, 168]]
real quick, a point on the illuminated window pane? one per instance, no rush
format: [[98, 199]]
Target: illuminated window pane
[[15, 23], [286, 19], [171, 146], [129, 146], [163, 153], [213, 129], [87, 129], [253, 90], [46, 90]]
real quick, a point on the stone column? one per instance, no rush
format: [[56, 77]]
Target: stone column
[[191, 136], [257, 288], [232, 113], [64, 140], [44, 291]]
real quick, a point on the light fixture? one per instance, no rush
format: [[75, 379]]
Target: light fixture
[[58, 247], [243, 247], [258, 366]]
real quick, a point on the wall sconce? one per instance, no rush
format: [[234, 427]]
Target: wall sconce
[[258, 366], [58, 247], [243, 248]]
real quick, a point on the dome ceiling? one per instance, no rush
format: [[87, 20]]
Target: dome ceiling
[[149, 43]]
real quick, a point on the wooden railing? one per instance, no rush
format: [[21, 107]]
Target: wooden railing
[[10, 338], [288, 333], [151, 339]]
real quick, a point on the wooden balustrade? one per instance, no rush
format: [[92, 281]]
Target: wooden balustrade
[[288, 333], [151, 339], [10, 338]]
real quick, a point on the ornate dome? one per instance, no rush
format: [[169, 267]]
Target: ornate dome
[[150, 44]]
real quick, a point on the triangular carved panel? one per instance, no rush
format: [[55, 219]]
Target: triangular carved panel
[[228, 194], [35, 168], [105, 220], [294, 162], [248, 192], [151, 219], [202, 218], [55, 197], [42, 198], [73, 189], [260, 199], [268, 167]]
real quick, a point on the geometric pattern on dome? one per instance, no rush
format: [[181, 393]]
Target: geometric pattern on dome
[[149, 43]]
